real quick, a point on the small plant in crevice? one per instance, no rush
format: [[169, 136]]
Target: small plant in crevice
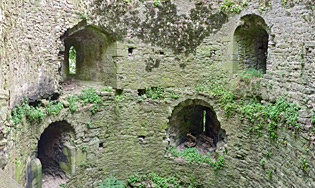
[[63, 185], [117, 99], [283, 2], [141, 98], [155, 93], [270, 173], [84, 148], [262, 163], [174, 95], [303, 164], [157, 3], [107, 88]]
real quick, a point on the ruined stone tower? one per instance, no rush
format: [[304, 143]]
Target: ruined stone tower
[[214, 93]]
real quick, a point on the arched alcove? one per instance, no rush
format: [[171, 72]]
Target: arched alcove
[[194, 123], [251, 43], [94, 52], [51, 151]]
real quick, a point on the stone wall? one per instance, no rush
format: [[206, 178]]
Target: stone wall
[[168, 46], [128, 137]]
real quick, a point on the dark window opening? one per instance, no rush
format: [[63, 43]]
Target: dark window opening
[[130, 51], [141, 92], [119, 91], [101, 145], [141, 138], [251, 44], [195, 125]]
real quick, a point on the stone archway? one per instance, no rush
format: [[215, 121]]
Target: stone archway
[[251, 43], [53, 153], [194, 123]]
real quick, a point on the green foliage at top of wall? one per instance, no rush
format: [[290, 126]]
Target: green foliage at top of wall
[[193, 156], [269, 115], [89, 96], [54, 107], [231, 6]]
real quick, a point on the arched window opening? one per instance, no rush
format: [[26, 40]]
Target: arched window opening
[[194, 124], [90, 56], [251, 43], [72, 60], [51, 152]]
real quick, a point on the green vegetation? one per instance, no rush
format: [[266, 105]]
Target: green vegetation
[[157, 3], [262, 163], [112, 182], [63, 185], [73, 102], [267, 116], [90, 96], [53, 108], [193, 156], [251, 73], [156, 180], [303, 164], [107, 88], [270, 173], [283, 2], [231, 6], [155, 93], [174, 95]]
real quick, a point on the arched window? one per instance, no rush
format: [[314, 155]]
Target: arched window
[[194, 124], [251, 43]]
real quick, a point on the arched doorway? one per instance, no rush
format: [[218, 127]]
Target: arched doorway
[[51, 153], [251, 43], [194, 123]]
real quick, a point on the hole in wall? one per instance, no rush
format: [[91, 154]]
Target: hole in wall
[[101, 145], [162, 53], [130, 51], [119, 91], [141, 92], [194, 124], [141, 138]]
